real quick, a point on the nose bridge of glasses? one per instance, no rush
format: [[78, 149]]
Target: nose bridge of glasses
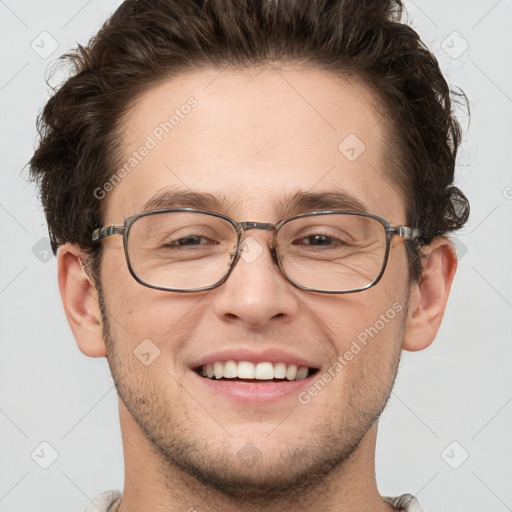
[[262, 226], [249, 225]]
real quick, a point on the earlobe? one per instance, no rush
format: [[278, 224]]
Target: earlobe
[[428, 297], [80, 300]]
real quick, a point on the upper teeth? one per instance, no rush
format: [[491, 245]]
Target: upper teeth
[[247, 370]]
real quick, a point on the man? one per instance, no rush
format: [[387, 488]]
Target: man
[[250, 201]]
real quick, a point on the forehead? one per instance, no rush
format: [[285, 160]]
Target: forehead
[[253, 139]]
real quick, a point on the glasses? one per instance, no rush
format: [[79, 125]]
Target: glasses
[[190, 250]]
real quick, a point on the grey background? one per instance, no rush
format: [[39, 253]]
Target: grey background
[[459, 390]]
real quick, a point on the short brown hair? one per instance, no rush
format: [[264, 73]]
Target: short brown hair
[[148, 41]]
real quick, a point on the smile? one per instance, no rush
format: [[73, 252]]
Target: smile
[[248, 371]]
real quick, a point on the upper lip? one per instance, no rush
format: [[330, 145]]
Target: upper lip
[[269, 354]]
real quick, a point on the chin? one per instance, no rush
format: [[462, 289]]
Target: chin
[[253, 472]]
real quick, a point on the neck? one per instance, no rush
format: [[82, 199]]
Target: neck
[[153, 484]]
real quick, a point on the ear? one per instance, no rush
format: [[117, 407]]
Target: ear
[[428, 297], [80, 300]]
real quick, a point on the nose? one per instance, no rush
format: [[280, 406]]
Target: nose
[[256, 293]]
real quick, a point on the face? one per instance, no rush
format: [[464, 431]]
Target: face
[[249, 142]]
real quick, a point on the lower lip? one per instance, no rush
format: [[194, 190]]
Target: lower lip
[[249, 392]]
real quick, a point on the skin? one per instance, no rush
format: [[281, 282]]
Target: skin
[[253, 141]]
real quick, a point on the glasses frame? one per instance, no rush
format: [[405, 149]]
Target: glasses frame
[[404, 232]]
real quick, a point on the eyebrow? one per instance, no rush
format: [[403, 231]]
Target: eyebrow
[[305, 202], [173, 198], [300, 202]]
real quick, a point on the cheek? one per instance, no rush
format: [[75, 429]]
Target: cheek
[[368, 340], [142, 318], [366, 328], [376, 312], [365, 331]]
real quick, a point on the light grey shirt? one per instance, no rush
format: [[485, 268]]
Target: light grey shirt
[[108, 501]]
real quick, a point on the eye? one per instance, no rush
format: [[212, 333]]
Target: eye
[[189, 241], [318, 240], [321, 241]]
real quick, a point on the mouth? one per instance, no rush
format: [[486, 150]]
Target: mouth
[[247, 371]]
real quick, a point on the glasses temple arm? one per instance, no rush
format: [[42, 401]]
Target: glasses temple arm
[[100, 233], [405, 232]]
